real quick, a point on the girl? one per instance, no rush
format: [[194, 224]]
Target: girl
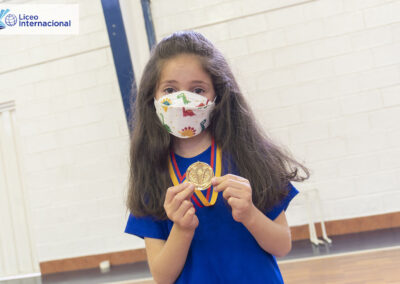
[[189, 108]]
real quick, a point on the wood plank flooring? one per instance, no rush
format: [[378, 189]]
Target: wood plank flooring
[[375, 267], [371, 267]]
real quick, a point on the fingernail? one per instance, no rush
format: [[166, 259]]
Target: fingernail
[[213, 180]]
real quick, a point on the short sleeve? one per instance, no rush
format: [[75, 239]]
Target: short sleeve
[[147, 227], [283, 205]]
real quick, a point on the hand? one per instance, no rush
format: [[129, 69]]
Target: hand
[[237, 191], [179, 208]]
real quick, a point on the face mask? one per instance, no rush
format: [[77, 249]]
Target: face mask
[[184, 114]]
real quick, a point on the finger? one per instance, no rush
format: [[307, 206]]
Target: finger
[[218, 180], [227, 176], [186, 193], [230, 183], [181, 196], [234, 202], [188, 217], [234, 192], [172, 191], [236, 177], [185, 206]]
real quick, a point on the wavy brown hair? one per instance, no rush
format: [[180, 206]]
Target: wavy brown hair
[[267, 166]]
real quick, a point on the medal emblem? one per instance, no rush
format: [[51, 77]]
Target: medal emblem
[[200, 174]]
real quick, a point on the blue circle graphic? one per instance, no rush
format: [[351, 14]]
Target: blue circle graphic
[[10, 20]]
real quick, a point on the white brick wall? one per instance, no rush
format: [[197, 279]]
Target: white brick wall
[[323, 77], [74, 137]]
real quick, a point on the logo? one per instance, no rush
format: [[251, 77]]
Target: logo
[[10, 20], [2, 14], [39, 19]]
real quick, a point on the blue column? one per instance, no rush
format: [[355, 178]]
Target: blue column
[[148, 22], [121, 55]]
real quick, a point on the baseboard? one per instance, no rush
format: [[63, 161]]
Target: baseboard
[[337, 227], [348, 226], [92, 261]]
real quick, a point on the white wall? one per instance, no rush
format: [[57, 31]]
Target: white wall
[[323, 77], [74, 136]]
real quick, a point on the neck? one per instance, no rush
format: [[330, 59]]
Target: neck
[[191, 147]]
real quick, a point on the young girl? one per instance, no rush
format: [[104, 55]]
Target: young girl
[[189, 108]]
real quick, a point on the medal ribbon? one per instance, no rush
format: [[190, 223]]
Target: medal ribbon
[[175, 174]]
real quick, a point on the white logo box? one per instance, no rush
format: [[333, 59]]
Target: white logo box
[[45, 19]]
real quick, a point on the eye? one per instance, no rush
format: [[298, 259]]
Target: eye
[[198, 91], [168, 90]]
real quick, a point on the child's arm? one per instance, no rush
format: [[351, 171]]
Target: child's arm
[[273, 236], [167, 258]]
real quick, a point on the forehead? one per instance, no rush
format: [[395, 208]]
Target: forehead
[[184, 67]]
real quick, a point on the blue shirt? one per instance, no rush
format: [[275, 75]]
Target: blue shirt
[[222, 250]]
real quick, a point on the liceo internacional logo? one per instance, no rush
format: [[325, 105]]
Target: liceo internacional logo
[[39, 19]]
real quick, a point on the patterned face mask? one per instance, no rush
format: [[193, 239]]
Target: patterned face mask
[[183, 113]]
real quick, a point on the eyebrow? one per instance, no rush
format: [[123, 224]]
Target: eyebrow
[[194, 81]]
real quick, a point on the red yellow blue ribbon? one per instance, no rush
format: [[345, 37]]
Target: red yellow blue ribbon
[[177, 178]]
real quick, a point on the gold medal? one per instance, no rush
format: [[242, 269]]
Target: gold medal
[[200, 174]]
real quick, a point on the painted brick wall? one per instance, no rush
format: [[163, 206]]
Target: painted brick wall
[[323, 78], [74, 136]]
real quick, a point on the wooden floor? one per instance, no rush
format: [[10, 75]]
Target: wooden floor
[[376, 267]]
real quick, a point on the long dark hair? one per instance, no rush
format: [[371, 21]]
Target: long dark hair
[[267, 166]]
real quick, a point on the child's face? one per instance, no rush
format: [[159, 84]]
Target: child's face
[[185, 72]]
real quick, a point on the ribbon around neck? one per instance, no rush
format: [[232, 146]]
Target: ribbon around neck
[[177, 178]]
